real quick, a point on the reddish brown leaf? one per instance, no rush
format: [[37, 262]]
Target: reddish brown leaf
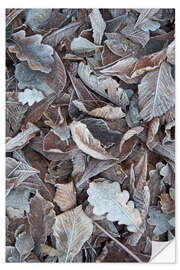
[[65, 196], [130, 133]]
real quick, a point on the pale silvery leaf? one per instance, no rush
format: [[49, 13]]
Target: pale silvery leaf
[[30, 96], [107, 197], [82, 45], [98, 25], [71, 230], [158, 219]]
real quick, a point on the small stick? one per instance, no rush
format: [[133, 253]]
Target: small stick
[[118, 242]]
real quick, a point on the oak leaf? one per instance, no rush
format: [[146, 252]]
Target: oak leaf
[[30, 49], [107, 197], [30, 96]]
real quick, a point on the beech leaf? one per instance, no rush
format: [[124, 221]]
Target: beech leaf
[[98, 25], [65, 196], [30, 49], [107, 197], [86, 142], [71, 230], [22, 138], [82, 45], [156, 92], [131, 132]]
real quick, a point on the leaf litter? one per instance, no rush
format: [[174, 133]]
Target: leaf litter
[[90, 134]]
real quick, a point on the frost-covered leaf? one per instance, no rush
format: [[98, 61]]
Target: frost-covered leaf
[[122, 69], [35, 17], [136, 35], [22, 138], [55, 37], [82, 45], [98, 25], [71, 230], [30, 96], [41, 218], [130, 133], [156, 92], [107, 197], [65, 196], [159, 220], [103, 85], [30, 49], [86, 142], [167, 205], [18, 171], [145, 14], [171, 53]]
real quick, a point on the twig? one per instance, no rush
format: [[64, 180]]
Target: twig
[[118, 242]]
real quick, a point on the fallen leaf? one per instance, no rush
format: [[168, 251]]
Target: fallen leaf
[[30, 96], [30, 49], [41, 218], [156, 92], [107, 197], [71, 230], [167, 205], [171, 53], [98, 25], [145, 13], [35, 17], [65, 196], [86, 142], [57, 36], [136, 35], [103, 85], [82, 45], [22, 138], [130, 133]]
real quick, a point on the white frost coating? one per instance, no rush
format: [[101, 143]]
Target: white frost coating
[[30, 96]]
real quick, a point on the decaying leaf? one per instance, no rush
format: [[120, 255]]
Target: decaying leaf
[[71, 230], [98, 25], [65, 196], [103, 85], [130, 133], [107, 197], [41, 219], [22, 138], [156, 92], [86, 142], [158, 219], [30, 49]]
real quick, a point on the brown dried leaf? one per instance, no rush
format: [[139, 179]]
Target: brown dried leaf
[[71, 230], [22, 138], [17, 172], [57, 36], [148, 63], [86, 142], [145, 13], [98, 25], [30, 49], [108, 112], [122, 69], [130, 133], [50, 251], [65, 196], [36, 111], [120, 45], [171, 53], [167, 205], [103, 85], [41, 219], [152, 131], [156, 92]]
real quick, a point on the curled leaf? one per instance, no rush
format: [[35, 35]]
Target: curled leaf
[[86, 142], [98, 25], [30, 49], [131, 132]]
